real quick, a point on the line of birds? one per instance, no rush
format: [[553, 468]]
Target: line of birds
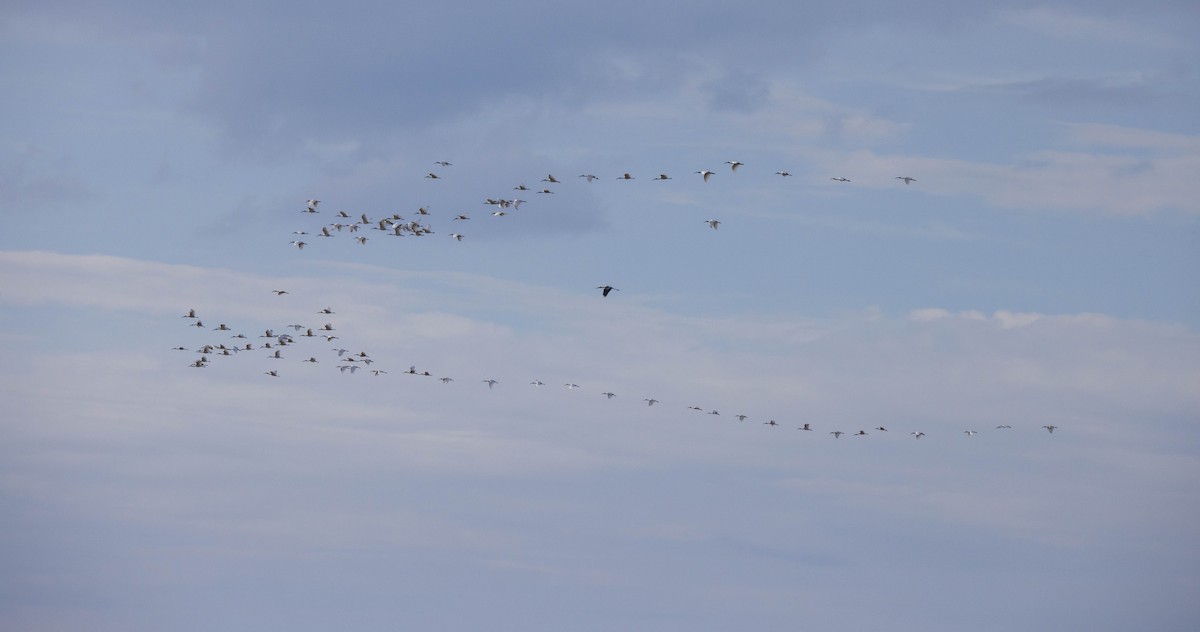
[[350, 362], [397, 226]]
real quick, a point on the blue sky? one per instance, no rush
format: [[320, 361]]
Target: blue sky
[[1040, 270]]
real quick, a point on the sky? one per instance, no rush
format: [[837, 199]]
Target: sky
[[1039, 270]]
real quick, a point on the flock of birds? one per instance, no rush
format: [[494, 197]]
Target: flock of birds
[[396, 225], [288, 342], [293, 343]]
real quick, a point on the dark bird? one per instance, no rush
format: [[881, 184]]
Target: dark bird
[[605, 289]]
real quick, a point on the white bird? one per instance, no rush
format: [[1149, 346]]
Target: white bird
[[537, 383], [970, 433], [906, 179], [491, 383], [917, 435], [712, 223], [456, 236], [299, 244], [446, 380], [569, 385], [589, 177], [734, 164], [1050, 428], [704, 174]]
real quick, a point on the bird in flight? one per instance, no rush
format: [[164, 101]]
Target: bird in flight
[[837, 434], [589, 177], [704, 174], [551, 179], [491, 383], [1050, 428], [712, 223], [626, 177], [840, 179], [442, 163], [650, 401], [917, 435], [782, 173], [906, 179], [734, 164], [970, 433], [770, 423], [804, 427], [605, 289], [432, 176], [609, 394], [663, 176]]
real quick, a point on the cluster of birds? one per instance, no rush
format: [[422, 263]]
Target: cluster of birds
[[395, 225], [274, 345]]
